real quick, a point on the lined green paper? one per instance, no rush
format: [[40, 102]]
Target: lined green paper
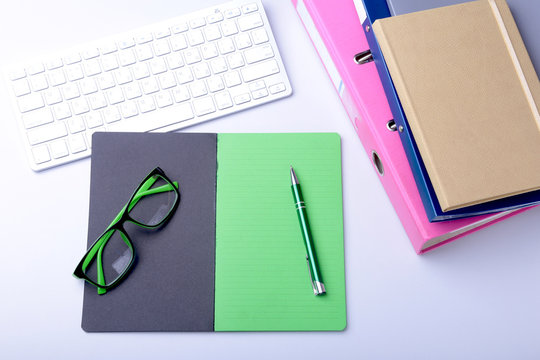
[[262, 280]]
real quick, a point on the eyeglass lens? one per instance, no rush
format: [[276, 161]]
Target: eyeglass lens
[[153, 205]]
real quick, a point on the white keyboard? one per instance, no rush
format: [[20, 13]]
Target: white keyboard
[[162, 77]]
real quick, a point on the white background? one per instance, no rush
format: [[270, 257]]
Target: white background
[[478, 297]]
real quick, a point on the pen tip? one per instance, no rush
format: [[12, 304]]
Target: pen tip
[[294, 179]]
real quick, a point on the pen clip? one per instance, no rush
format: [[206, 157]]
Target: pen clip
[[310, 277]]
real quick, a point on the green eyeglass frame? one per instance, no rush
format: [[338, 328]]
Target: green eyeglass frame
[[95, 252]]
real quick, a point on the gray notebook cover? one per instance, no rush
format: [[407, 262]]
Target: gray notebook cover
[[526, 14], [171, 285]]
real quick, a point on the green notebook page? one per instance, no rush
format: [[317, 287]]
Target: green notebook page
[[262, 281]]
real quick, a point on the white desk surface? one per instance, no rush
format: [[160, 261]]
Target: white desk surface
[[478, 297]]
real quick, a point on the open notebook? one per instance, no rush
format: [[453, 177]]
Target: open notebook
[[232, 256]]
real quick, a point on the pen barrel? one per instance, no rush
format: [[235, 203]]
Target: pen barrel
[[306, 233]]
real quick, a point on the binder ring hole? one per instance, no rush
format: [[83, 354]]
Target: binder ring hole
[[391, 125], [363, 57], [377, 162]]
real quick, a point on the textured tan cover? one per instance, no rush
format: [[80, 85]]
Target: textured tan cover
[[477, 131]]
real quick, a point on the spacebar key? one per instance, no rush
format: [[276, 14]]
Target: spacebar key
[[260, 70]]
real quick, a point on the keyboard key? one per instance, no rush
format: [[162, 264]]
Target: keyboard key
[[229, 28], [123, 76], [108, 48], [59, 149], [178, 42], [111, 114], [92, 67], [93, 120], [197, 22], [88, 86], [180, 27], [183, 112], [242, 98], [260, 70], [129, 109], [235, 60], [232, 78], [144, 52], [109, 62], [257, 94], [90, 53], [126, 43], [150, 86], [74, 72], [132, 91], [223, 100], [30, 102], [218, 65], [37, 117], [259, 36], [41, 154], [192, 56], [72, 58], [259, 53], [180, 94], [277, 88], [80, 106], [140, 71], [201, 70], [115, 96], [35, 69], [39, 82], [226, 46], [147, 104], [204, 106], [54, 63], [144, 38], [209, 51], [161, 47], [17, 73], [214, 18], [249, 8], [158, 66], [57, 77], [76, 124], [61, 111], [167, 81], [127, 57], [242, 41], [174, 61], [106, 81], [250, 22], [195, 37], [71, 91], [215, 84], [77, 143], [198, 88], [164, 99], [97, 101], [230, 13], [53, 96], [46, 133], [257, 85], [21, 87], [212, 32], [162, 33]]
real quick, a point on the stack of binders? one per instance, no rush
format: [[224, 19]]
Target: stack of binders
[[444, 177]]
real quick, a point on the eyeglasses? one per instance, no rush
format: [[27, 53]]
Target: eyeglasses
[[111, 256]]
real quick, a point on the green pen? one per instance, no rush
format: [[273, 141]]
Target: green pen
[[311, 258]]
